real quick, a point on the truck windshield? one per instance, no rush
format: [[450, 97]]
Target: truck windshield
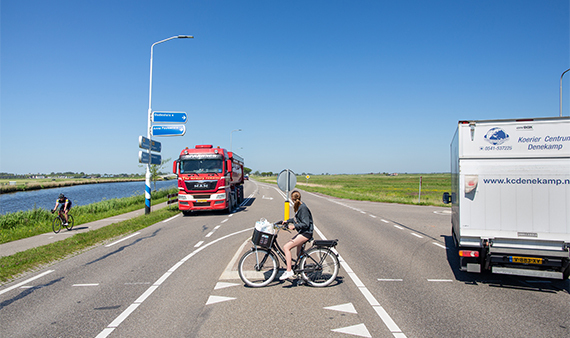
[[199, 166]]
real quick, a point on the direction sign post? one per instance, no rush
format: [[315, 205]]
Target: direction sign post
[[145, 143], [170, 130], [154, 158], [169, 117]]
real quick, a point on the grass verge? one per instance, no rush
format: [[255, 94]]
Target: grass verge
[[21, 262], [403, 188]]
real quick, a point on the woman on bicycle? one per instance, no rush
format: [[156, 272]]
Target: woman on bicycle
[[303, 223], [65, 206]]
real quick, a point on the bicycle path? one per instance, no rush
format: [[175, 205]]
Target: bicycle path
[[10, 248]]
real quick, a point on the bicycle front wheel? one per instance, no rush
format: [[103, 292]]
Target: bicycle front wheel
[[69, 225], [258, 267], [56, 225], [319, 267]]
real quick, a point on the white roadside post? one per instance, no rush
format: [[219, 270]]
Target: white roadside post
[[149, 129]]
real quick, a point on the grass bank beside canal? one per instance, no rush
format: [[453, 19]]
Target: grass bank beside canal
[[403, 188], [22, 224], [46, 183]]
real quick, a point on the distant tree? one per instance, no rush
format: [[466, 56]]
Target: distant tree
[[246, 170], [155, 170]]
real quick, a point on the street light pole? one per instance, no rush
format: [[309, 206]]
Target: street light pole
[[561, 90], [149, 119], [231, 137]]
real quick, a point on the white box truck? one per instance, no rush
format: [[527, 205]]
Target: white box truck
[[510, 196]]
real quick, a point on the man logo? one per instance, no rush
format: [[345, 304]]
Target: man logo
[[496, 136]]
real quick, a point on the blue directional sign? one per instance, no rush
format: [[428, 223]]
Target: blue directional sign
[[169, 117], [144, 143], [171, 130], [144, 158]]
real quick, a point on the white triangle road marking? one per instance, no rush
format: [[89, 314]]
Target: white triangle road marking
[[355, 330], [348, 307], [222, 285], [218, 299]]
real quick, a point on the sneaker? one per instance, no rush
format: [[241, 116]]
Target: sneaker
[[286, 275], [66, 224]]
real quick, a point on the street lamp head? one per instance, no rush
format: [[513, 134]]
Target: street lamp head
[[185, 37]]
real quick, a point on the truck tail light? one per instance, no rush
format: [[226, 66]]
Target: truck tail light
[[468, 253]]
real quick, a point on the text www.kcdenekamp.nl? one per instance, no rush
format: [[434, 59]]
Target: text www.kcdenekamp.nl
[[521, 181]]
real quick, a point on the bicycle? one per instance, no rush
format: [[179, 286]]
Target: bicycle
[[59, 221], [317, 266]]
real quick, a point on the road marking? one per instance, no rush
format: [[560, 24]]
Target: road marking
[[115, 323], [91, 284], [440, 245], [218, 299], [171, 218], [385, 221], [399, 227], [209, 234], [122, 239], [26, 281], [223, 285], [216, 227], [348, 307], [440, 280], [384, 316], [359, 330], [198, 244], [418, 236], [390, 280], [372, 216], [224, 221]]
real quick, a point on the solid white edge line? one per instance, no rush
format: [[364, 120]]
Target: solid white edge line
[[123, 239], [26, 281], [124, 315]]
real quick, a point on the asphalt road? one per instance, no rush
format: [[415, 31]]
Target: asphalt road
[[178, 278]]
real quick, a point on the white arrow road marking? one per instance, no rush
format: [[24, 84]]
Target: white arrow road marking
[[218, 299], [222, 285], [355, 330], [348, 307]]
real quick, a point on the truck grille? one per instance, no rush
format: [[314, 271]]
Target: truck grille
[[200, 185]]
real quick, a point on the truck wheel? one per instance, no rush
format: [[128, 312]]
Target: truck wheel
[[566, 273]]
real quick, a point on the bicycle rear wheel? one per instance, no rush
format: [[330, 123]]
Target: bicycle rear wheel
[[69, 225], [56, 225], [319, 267], [258, 268]]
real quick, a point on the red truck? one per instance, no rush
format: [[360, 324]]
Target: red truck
[[208, 179]]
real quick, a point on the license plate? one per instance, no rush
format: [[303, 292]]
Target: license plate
[[202, 201], [525, 260]]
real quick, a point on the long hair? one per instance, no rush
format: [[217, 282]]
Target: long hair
[[296, 197]]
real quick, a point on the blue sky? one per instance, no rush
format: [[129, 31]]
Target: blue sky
[[315, 86]]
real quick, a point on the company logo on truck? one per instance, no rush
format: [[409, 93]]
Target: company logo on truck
[[496, 136]]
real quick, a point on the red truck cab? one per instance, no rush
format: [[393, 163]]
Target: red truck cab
[[209, 179]]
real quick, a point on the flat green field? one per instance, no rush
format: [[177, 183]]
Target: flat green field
[[403, 188], [7, 185]]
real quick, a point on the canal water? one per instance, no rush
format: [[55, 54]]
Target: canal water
[[78, 194]]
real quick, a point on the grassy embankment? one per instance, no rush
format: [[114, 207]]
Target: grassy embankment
[[403, 188], [44, 183], [28, 223]]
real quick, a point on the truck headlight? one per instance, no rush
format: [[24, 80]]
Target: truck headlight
[[221, 196], [185, 197]]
